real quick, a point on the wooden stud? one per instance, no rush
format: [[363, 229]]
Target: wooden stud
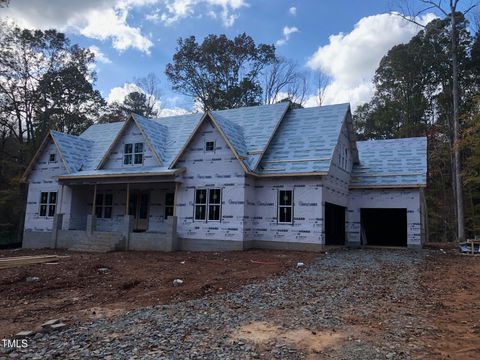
[[127, 201], [175, 197], [94, 199]]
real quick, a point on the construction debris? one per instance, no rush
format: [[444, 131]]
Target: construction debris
[[50, 323], [177, 282], [24, 334], [470, 247], [58, 326], [10, 262]]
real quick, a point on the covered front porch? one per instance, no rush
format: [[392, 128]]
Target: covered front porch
[[117, 213]]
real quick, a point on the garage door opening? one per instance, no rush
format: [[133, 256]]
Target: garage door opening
[[334, 224], [384, 227]]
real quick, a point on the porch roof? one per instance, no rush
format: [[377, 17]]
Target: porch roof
[[123, 172]]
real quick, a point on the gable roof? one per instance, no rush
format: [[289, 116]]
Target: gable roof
[[305, 141], [234, 133], [268, 140], [131, 119], [391, 163], [250, 129], [73, 149], [102, 136], [155, 134], [179, 130]]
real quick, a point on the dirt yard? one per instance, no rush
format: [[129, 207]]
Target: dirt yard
[[349, 304], [75, 289]]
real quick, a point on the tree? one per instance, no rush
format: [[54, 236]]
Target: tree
[[284, 80], [45, 83], [471, 173], [44, 79], [150, 86], [136, 102], [70, 104], [220, 73], [321, 83], [142, 100], [450, 11], [413, 97]]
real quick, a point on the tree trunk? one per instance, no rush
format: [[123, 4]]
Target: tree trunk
[[456, 125]]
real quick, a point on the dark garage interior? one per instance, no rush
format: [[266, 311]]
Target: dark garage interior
[[384, 227], [334, 224]]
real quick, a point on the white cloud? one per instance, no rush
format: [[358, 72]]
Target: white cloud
[[118, 94], [351, 59], [287, 31], [97, 19], [175, 10], [293, 11], [99, 55], [173, 111]]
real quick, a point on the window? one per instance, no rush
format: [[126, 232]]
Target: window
[[200, 204], [285, 206], [209, 145], [346, 159], [138, 153], [48, 201], [52, 158], [169, 203], [208, 204], [133, 154], [103, 206], [214, 205]]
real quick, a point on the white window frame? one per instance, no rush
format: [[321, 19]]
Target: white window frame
[[47, 204], [279, 207], [205, 146], [133, 154], [207, 204], [218, 204]]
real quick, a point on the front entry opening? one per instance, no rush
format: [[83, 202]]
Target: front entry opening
[[384, 227], [334, 224], [138, 207]]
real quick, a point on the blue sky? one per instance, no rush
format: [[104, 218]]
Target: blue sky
[[343, 39]]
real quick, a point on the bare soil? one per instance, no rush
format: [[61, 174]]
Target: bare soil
[[75, 289]]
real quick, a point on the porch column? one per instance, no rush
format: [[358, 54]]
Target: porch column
[[127, 200], [91, 219], [94, 199], [127, 220], [175, 197]]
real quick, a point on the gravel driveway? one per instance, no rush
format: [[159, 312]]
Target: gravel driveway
[[349, 304]]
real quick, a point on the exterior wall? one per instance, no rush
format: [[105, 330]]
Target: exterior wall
[[131, 135], [41, 180], [391, 198], [82, 201], [307, 224], [336, 183], [218, 169]]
